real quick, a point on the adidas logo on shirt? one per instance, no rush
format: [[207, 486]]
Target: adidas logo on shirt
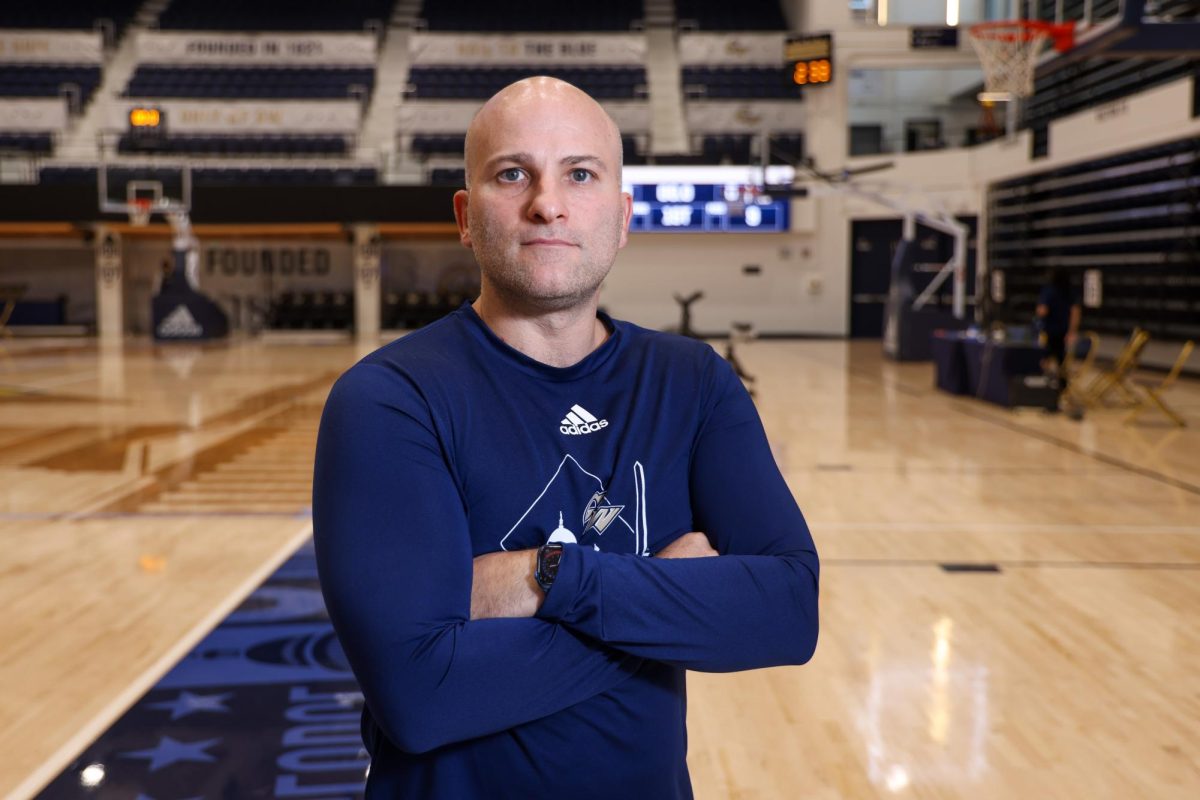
[[580, 421], [179, 324]]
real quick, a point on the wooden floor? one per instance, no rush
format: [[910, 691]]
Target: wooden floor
[[144, 491]]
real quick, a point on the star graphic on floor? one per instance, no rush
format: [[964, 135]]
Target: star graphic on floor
[[187, 703], [168, 751]]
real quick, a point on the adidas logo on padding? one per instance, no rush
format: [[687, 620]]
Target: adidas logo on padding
[[580, 421], [179, 324]]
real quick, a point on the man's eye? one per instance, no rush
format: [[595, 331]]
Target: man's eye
[[581, 175], [512, 175]]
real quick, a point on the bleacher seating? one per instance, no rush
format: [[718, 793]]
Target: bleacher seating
[[441, 144], [789, 146], [1091, 83], [312, 311], [218, 176], [415, 309], [1130, 215], [442, 176], [630, 152], [739, 83], [48, 80], [743, 148], [601, 82], [67, 14], [719, 15], [531, 15], [38, 143], [424, 144], [274, 15], [233, 83], [728, 148], [239, 145]]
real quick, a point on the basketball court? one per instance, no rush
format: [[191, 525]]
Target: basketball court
[[1009, 596]]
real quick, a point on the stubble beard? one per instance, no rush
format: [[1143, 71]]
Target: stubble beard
[[498, 254]]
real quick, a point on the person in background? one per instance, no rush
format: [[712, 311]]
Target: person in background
[[1058, 314]]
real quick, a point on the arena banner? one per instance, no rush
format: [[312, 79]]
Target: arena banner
[[453, 116], [708, 49], [464, 50], [726, 117], [248, 116], [50, 47], [48, 114], [252, 49]]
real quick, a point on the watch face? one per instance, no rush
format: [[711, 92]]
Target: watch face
[[547, 567]]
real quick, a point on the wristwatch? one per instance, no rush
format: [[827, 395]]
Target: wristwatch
[[548, 556]]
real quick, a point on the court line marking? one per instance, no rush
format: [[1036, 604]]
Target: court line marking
[[1016, 527], [35, 386], [68, 516], [937, 563], [960, 408], [122, 702]]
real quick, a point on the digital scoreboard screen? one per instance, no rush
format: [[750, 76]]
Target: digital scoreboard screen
[[705, 207], [810, 58]]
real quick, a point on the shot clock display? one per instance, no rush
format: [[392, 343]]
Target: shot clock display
[[147, 127], [701, 207], [811, 58], [146, 118]]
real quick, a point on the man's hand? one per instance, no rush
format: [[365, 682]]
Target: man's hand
[[503, 585], [690, 545]]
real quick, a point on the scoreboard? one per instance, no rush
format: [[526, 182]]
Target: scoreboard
[[705, 207], [707, 199], [810, 58]]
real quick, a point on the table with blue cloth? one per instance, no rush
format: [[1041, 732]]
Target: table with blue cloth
[[969, 365]]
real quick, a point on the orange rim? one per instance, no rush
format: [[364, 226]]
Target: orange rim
[[1024, 30]]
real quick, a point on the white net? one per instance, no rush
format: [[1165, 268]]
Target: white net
[[1009, 54], [139, 213]]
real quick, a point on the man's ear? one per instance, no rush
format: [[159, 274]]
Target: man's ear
[[627, 199], [461, 198]]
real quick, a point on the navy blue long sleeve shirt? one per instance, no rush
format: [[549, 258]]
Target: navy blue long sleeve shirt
[[449, 444]]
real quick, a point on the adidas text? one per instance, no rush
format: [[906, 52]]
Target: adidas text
[[587, 427]]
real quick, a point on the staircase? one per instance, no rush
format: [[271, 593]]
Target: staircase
[[668, 127], [80, 142], [377, 140]]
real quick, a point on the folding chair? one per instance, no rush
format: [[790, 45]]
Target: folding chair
[[1153, 393], [9, 295], [1080, 360], [1118, 376]]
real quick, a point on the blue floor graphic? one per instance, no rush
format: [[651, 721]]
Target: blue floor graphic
[[265, 706]]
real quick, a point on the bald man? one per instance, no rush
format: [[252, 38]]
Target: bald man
[[532, 519]]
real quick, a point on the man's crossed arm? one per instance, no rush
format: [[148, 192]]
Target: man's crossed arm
[[504, 586]]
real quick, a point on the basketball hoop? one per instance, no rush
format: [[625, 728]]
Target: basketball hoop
[[1009, 51], [139, 212]]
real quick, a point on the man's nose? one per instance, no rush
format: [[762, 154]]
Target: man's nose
[[547, 204]]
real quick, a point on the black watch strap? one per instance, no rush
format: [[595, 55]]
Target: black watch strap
[[548, 556]]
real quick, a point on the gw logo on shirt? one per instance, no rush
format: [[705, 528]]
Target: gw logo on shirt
[[579, 421]]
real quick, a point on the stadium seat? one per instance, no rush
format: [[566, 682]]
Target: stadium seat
[[286, 145], [531, 16], [39, 143], [739, 83], [602, 82], [48, 80], [315, 83], [718, 15], [274, 15], [68, 14]]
